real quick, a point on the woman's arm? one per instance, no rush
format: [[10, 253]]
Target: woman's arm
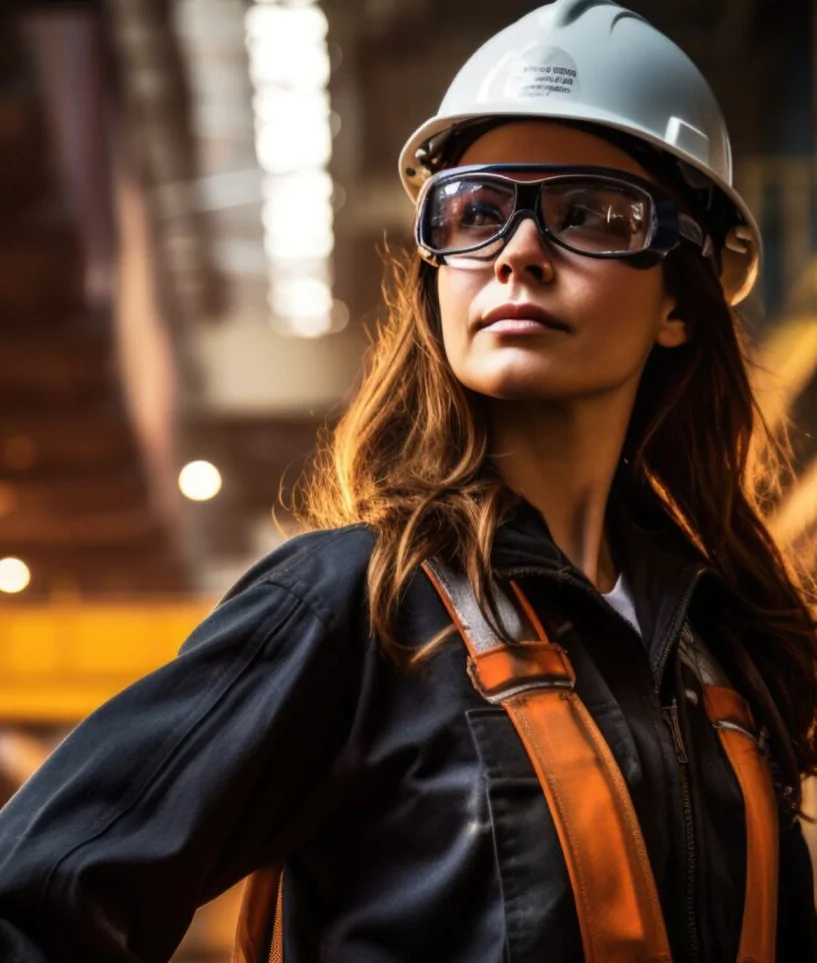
[[178, 787]]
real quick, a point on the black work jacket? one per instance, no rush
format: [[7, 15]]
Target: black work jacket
[[413, 825]]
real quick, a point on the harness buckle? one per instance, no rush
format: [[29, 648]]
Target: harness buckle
[[507, 670]]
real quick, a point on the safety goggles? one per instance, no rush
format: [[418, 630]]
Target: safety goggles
[[467, 214]]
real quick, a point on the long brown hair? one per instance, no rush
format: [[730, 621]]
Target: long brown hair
[[408, 458]]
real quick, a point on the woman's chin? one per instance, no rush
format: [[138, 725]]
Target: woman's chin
[[544, 385], [548, 379], [541, 391]]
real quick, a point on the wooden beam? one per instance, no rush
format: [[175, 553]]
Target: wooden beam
[[23, 153], [42, 273], [66, 366], [68, 441], [118, 528]]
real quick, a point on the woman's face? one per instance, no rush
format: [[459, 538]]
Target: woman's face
[[614, 313]]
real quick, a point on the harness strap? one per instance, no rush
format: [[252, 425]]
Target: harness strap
[[730, 715], [616, 897]]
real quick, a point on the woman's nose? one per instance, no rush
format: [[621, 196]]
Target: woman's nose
[[526, 253]]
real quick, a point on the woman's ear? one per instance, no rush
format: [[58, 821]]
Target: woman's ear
[[673, 330]]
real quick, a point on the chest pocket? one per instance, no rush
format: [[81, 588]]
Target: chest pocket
[[540, 913]]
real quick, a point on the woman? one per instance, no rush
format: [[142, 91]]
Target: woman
[[558, 410]]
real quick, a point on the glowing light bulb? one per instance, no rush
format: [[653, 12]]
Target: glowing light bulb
[[200, 481], [14, 575]]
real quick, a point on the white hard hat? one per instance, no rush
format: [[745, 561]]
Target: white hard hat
[[595, 62]]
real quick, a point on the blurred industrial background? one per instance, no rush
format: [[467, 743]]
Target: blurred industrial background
[[193, 194]]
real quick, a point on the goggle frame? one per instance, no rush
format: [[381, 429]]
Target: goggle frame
[[669, 225]]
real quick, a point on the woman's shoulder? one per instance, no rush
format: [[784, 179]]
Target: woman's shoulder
[[325, 569]]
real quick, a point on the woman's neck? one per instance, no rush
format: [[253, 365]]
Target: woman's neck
[[562, 458]]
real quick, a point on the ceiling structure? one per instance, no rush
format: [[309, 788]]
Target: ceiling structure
[[74, 500]]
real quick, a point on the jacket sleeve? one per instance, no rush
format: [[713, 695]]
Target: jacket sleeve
[[175, 789]]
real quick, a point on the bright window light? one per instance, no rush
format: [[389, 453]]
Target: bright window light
[[14, 575], [302, 297], [294, 127], [295, 240], [314, 327], [310, 241], [304, 26], [289, 67], [291, 110], [200, 481], [286, 192], [302, 146]]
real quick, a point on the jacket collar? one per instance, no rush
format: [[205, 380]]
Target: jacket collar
[[662, 565], [524, 539]]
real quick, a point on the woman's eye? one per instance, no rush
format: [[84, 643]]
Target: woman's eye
[[582, 215], [579, 215], [480, 215]]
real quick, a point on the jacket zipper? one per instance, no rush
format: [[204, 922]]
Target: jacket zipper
[[670, 715], [672, 719]]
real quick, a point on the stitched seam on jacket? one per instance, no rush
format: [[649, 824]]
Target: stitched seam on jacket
[[293, 566], [209, 702]]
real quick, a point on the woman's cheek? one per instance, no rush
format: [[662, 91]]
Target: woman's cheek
[[456, 291]]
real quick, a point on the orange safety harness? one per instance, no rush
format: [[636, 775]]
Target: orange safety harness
[[616, 897]]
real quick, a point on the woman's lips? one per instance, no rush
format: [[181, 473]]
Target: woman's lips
[[520, 326], [518, 317]]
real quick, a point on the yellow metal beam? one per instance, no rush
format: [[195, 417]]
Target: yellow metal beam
[[60, 662]]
